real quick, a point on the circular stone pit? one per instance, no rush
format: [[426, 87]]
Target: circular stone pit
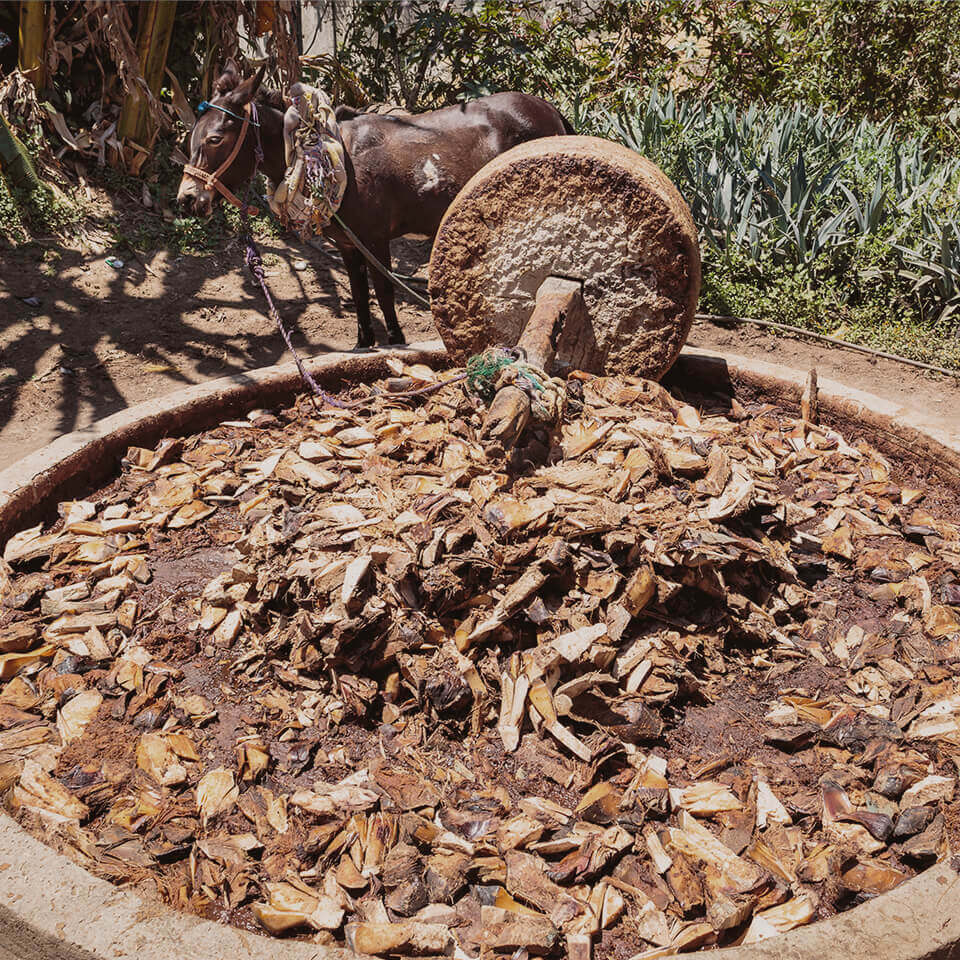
[[46, 902]]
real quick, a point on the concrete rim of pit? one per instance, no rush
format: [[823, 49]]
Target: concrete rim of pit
[[52, 908]]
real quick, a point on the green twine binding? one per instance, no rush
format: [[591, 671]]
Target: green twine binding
[[484, 368]]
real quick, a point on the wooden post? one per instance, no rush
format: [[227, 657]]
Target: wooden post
[[809, 401], [33, 28], [153, 41]]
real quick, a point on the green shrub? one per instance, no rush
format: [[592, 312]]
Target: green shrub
[[878, 315], [886, 58]]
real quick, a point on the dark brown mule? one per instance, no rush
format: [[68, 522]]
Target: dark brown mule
[[403, 171]]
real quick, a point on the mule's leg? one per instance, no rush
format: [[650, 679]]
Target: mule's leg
[[383, 287], [357, 272]]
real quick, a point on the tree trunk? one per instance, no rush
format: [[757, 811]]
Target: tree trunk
[[33, 24], [153, 41]]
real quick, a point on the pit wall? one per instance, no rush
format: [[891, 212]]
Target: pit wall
[[52, 909]]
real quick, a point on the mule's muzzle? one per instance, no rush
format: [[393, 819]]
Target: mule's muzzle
[[194, 199]]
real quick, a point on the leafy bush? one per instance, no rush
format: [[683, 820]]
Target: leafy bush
[[886, 58], [423, 54]]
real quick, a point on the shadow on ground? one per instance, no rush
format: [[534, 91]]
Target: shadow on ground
[[100, 339]]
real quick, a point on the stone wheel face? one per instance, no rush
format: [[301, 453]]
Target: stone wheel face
[[576, 207]]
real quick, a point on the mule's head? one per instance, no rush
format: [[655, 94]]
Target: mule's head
[[213, 138]]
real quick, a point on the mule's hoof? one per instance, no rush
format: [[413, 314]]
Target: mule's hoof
[[396, 337], [364, 344]]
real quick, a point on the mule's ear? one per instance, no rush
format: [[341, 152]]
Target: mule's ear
[[229, 77], [247, 90]]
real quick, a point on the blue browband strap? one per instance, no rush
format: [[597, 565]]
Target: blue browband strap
[[206, 105]]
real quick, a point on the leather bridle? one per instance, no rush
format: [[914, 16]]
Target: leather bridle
[[212, 180]]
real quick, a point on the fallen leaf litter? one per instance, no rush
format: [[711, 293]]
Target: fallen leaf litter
[[335, 674]]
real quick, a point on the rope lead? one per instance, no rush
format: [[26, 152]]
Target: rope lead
[[255, 263]]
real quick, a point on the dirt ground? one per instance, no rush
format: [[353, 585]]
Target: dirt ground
[[102, 339]]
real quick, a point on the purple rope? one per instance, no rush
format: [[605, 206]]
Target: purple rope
[[255, 264]]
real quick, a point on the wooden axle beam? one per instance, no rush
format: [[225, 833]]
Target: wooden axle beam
[[559, 304]]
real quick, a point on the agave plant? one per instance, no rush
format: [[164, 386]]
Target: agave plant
[[799, 207], [794, 183], [933, 264]]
